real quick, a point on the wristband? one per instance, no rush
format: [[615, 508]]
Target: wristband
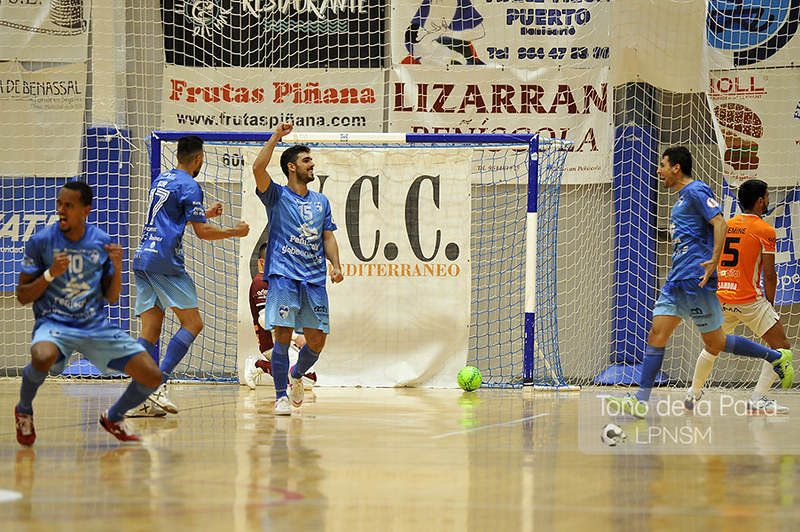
[[48, 276]]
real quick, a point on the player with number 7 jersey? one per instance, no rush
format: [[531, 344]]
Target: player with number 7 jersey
[[176, 200]]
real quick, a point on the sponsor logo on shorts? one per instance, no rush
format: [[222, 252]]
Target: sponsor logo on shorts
[[321, 308], [283, 311]]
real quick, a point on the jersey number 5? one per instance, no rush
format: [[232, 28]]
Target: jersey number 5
[[729, 249]]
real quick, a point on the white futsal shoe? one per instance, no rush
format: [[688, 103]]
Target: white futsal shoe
[[251, 372], [282, 407], [146, 409], [159, 397]]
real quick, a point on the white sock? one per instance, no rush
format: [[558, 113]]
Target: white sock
[[764, 381], [703, 367]]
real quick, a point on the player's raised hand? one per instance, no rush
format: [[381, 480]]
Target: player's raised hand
[[60, 264], [283, 129], [241, 228], [214, 211], [115, 254]]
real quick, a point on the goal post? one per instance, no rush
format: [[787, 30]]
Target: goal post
[[506, 282]]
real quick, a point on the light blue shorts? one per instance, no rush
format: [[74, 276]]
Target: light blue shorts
[[103, 345], [166, 291], [688, 301], [296, 304]]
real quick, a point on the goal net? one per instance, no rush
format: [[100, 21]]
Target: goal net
[[433, 235]]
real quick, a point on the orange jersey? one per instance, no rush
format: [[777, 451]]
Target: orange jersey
[[740, 266]]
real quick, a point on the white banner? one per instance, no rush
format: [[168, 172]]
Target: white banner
[[251, 99], [401, 316], [759, 115], [544, 33], [41, 126], [639, 44], [567, 104], [54, 31]]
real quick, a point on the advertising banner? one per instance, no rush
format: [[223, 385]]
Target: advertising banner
[[544, 33], [28, 205], [239, 99], [55, 31], [757, 33], [759, 116], [41, 126], [258, 33], [401, 316], [567, 104]]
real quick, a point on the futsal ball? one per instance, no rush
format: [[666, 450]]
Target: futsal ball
[[469, 378], [612, 435]]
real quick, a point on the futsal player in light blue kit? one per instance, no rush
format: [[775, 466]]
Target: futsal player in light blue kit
[[69, 270], [176, 200], [300, 239], [698, 231]]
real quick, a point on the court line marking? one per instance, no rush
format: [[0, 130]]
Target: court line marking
[[8, 496], [505, 423]]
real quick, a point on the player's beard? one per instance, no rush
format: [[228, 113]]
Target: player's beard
[[307, 177]]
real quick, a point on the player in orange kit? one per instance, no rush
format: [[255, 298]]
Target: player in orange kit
[[749, 250]]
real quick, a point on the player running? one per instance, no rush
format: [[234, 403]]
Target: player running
[[698, 234]]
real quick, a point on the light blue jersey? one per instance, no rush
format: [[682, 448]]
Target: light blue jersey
[[692, 235], [296, 223], [175, 200], [74, 298]]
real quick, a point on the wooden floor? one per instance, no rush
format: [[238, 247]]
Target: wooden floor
[[394, 459]]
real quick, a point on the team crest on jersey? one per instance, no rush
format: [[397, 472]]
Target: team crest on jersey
[[309, 232], [711, 202], [27, 262], [94, 256], [318, 206], [76, 289], [283, 311]]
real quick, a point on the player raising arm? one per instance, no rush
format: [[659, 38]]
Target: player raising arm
[[176, 200], [749, 249], [69, 271], [300, 239]]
